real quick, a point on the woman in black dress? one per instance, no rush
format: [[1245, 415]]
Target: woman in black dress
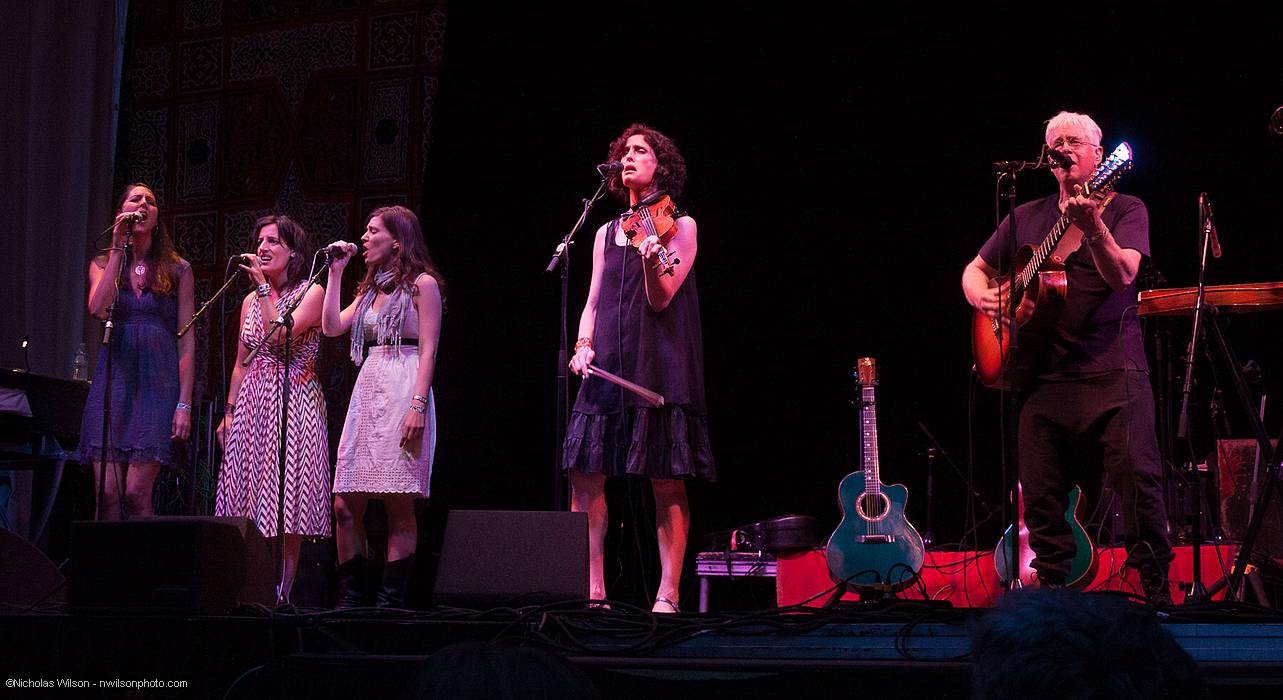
[[644, 326]]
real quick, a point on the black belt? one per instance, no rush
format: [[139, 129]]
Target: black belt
[[404, 341]]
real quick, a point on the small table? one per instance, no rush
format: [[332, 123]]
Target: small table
[[733, 565]]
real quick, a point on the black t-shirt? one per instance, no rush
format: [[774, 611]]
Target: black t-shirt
[[1098, 330]]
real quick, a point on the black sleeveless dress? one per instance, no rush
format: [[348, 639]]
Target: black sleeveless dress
[[615, 432]]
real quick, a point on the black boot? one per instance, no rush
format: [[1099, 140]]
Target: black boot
[[396, 581], [353, 577], [1157, 589]]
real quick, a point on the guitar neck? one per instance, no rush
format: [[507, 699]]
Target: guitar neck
[[1100, 182], [869, 440], [1043, 250]]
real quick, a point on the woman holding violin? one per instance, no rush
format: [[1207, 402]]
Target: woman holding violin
[[641, 322]]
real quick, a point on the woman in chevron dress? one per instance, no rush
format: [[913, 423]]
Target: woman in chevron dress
[[248, 483]]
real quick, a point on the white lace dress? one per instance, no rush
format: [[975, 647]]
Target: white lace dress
[[370, 457]]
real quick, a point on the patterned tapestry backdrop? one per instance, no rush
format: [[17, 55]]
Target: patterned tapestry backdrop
[[234, 109]]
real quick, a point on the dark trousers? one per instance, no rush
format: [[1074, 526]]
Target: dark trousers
[[1067, 427]]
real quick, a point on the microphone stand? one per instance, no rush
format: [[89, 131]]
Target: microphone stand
[[201, 311], [938, 449], [1197, 592], [108, 325], [285, 321], [1007, 171], [1221, 348], [561, 256]]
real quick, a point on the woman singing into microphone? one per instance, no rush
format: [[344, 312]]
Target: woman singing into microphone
[[390, 433], [643, 325], [151, 371], [249, 482]]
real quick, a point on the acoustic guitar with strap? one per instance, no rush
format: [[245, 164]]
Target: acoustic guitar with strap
[[1039, 291]]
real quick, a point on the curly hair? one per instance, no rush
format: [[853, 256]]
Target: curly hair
[[295, 238], [162, 260], [413, 257], [670, 171]]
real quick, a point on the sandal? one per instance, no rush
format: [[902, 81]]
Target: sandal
[[672, 607]]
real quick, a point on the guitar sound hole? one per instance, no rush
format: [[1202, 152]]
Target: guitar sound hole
[[873, 507]]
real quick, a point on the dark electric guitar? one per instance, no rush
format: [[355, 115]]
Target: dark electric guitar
[[1040, 289], [873, 547], [1082, 568]]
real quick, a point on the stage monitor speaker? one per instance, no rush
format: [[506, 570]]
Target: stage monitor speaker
[[27, 576], [1236, 462], [492, 558], [192, 565]]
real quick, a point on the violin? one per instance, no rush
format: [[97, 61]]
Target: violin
[[654, 219]]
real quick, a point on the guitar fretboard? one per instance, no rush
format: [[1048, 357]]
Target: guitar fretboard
[[869, 440]]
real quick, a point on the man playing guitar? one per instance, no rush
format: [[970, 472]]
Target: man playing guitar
[[1088, 400]]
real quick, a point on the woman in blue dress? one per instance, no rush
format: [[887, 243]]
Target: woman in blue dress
[[151, 371]]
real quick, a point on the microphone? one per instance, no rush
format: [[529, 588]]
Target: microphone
[[1209, 222], [1061, 160], [335, 251], [135, 216], [607, 169]]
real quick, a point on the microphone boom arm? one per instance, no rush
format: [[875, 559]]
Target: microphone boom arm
[[211, 300]]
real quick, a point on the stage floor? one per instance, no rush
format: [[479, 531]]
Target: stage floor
[[916, 649]]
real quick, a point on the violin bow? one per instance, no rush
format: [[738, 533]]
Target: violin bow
[[653, 398]]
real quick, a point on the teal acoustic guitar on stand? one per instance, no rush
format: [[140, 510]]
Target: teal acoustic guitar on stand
[[874, 549]]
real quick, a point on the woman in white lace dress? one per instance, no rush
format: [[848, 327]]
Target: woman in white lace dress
[[390, 432]]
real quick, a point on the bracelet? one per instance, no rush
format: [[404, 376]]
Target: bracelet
[[231, 407], [416, 397], [264, 290], [184, 407], [583, 343], [419, 409], [1091, 240]]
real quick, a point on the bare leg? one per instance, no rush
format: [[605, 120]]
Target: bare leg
[[403, 528], [349, 524], [588, 495], [109, 509], [140, 479], [672, 521], [289, 566]]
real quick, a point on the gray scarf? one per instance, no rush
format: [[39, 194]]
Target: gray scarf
[[387, 326]]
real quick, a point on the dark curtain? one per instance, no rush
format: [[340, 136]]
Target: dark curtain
[[59, 81]]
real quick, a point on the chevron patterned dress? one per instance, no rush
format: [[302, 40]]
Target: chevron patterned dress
[[248, 481]]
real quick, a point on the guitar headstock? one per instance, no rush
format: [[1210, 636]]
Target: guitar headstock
[[1108, 172], [866, 371]]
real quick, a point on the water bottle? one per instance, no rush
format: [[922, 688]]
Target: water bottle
[[80, 365]]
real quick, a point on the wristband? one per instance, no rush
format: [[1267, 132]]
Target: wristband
[[583, 343]]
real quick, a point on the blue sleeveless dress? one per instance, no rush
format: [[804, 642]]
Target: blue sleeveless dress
[[144, 383]]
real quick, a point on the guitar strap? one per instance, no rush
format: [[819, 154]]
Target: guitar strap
[[1073, 237]]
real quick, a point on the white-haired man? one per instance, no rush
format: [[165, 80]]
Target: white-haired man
[[1089, 402]]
